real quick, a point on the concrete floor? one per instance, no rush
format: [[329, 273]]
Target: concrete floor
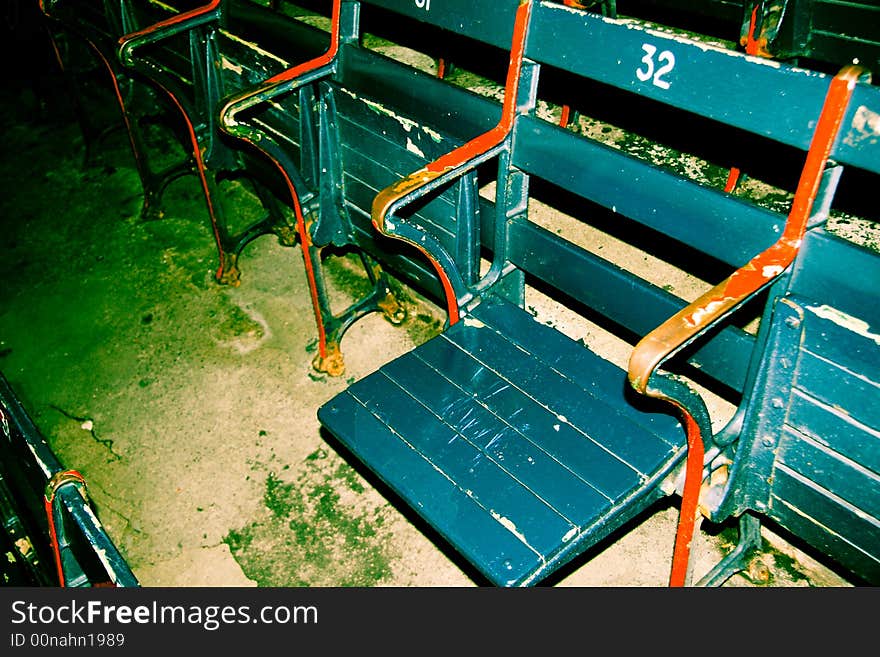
[[190, 407]]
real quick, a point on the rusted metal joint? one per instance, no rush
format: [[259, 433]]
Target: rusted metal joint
[[392, 309], [60, 480], [331, 362]]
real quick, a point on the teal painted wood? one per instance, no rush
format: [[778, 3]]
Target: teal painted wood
[[840, 273], [450, 109], [708, 81], [501, 438], [837, 377], [858, 557], [811, 433], [376, 149], [557, 262], [592, 462], [449, 509], [371, 146], [724, 227], [860, 446], [489, 22], [525, 332], [830, 467], [256, 45], [522, 423], [833, 355]]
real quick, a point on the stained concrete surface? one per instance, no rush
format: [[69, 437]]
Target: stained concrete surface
[[189, 407]]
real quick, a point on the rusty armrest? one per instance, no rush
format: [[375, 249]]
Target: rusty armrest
[[289, 80], [693, 321], [449, 167], [171, 26]]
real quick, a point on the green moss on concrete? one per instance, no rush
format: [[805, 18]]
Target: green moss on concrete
[[318, 530]]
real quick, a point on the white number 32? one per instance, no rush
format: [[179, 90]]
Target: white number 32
[[650, 72]]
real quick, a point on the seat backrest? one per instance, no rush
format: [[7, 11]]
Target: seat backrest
[[381, 120], [370, 119], [773, 103]]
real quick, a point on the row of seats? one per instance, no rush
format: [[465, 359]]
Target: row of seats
[[53, 538], [522, 447]]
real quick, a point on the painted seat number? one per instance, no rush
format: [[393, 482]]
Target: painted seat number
[[651, 72]]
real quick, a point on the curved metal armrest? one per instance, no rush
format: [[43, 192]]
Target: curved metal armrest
[[694, 320], [278, 85], [458, 161], [444, 169], [46, 6], [181, 22], [297, 76], [419, 183]]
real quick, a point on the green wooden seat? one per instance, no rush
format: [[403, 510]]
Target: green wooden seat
[[511, 441]]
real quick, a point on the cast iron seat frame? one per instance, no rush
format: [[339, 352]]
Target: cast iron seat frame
[[332, 184], [137, 103], [195, 93]]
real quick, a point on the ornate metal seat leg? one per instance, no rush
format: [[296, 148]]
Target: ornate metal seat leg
[[380, 298], [739, 558]]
